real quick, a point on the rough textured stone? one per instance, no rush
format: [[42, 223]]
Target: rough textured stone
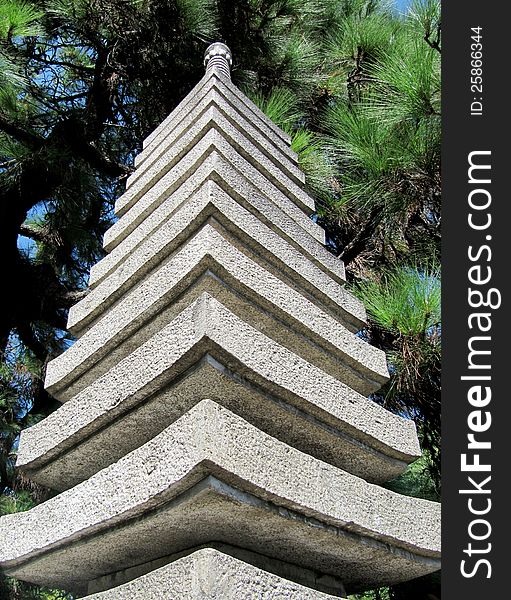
[[210, 574], [285, 263], [59, 462], [185, 104], [215, 396], [215, 98], [243, 283], [213, 119], [237, 485], [250, 291], [218, 85], [365, 436], [216, 168], [144, 268], [185, 169], [328, 584]]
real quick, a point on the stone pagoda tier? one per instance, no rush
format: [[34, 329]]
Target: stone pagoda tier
[[215, 439]]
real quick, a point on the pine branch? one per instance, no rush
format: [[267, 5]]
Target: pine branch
[[435, 44], [100, 162], [359, 243], [22, 135], [38, 234], [28, 338], [69, 298], [64, 63]]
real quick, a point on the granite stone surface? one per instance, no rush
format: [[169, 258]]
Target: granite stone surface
[[184, 169], [215, 98], [208, 212], [250, 291], [218, 169], [195, 94], [213, 119], [210, 574], [207, 327], [215, 439], [236, 485]]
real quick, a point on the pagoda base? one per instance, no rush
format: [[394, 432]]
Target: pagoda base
[[217, 571], [211, 476]]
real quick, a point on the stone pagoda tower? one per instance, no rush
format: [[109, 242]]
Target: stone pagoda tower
[[215, 439]]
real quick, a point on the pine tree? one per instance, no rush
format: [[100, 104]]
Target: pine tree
[[404, 312]]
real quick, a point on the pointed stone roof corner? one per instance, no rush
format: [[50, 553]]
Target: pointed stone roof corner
[[215, 439]]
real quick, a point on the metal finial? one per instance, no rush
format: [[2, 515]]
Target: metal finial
[[219, 57]]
